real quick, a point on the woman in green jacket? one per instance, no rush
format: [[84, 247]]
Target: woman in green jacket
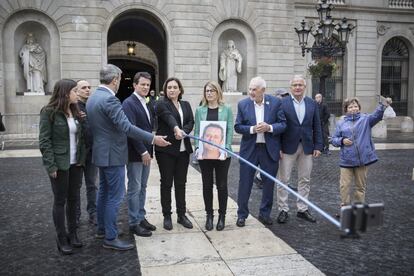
[[62, 146], [211, 159]]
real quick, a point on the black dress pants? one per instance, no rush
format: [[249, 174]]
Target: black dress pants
[[173, 169], [65, 189], [221, 169]]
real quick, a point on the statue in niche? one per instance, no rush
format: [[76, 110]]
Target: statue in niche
[[230, 65], [33, 60]]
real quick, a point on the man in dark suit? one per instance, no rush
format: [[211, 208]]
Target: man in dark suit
[[110, 128], [301, 141], [324, 116], [90, 171], [139, 155], [260, 120]]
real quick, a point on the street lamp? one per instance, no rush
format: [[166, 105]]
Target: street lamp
[[323, 31], [325, 46], [131, 49]]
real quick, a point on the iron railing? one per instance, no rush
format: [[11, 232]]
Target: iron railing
[[401, 4]]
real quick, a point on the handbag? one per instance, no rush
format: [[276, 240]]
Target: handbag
[[2, 127]]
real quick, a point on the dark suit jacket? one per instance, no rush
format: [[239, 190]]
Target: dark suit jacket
[[308, 133], [246, 117], [168, 118], [136, 114], [323, 113], [110, 128]]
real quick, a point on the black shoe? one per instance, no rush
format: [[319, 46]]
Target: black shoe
[[145, 224], [209, 222], [241, 222], [168, 223], [117, 244], [283, 217], [265, 220], [184, 221], [92, 219], [140, 231], [221, 222], [63, 245], [306, 216], [293, 188], [74, 240], [100, 234]]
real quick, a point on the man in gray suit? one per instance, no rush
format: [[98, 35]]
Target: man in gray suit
[[110, 129]]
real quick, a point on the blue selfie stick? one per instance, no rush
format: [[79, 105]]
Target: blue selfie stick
[[313, 206]]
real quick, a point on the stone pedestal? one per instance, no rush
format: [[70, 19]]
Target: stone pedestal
[[407, 124], [380, 130], [33, 93]]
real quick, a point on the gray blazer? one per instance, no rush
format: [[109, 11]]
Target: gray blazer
[[110, 128]]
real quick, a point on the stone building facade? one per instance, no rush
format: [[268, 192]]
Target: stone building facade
[[184, 38]]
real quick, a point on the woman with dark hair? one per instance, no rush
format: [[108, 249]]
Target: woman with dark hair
[[62, 145], [213, 108], [353, 136], [175, 119]]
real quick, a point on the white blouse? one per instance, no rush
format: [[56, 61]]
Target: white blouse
[[72, 137]]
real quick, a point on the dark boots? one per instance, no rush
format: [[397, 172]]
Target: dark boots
[[209, 222], [63, 245], [221, 222]]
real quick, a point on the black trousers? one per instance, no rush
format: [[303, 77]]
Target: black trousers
[[221, 169], [325, 134], [90, 172], [173, 169], [65, 189]]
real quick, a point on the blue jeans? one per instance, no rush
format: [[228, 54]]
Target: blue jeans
[[110, 194], [137, 189]]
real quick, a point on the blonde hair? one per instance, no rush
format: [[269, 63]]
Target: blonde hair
[[216, 87]]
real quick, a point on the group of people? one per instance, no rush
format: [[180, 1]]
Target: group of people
[[104, 135]]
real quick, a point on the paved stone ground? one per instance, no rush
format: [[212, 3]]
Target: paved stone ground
[[388, 250], [27, 236]]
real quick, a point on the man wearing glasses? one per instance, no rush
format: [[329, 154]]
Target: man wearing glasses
[[90, 171], [301, 141]]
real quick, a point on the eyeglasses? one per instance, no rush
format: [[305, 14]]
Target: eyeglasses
[[84, 87], [211, 91]]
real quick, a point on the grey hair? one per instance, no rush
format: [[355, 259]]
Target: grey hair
[[297, 77], [108, 73], [259, 81]]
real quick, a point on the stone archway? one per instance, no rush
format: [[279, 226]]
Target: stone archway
[[145, 29]]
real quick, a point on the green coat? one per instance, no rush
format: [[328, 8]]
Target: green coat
[[54, 143], [224, 114]]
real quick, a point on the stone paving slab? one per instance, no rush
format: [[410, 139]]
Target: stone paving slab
[[196, 251], [193, 269], [284, 265]]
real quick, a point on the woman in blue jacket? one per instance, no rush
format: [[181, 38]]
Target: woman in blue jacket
[[353, 136], [62, 145], [213, 108]]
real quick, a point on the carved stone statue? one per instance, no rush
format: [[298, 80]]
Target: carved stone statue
[[33, 60], [230, 65]]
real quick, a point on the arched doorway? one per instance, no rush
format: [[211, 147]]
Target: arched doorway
[[143, 29]]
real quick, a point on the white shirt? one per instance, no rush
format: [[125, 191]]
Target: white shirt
[[259, 112], [180, 111], [106, 87], [144, 105], [300, 108], [72, 138]]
